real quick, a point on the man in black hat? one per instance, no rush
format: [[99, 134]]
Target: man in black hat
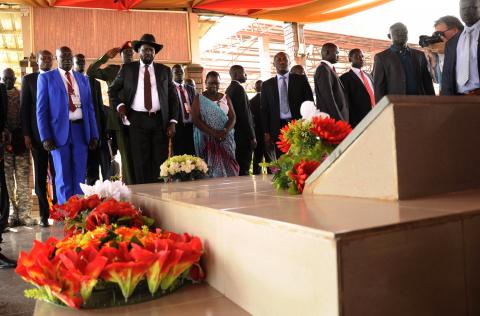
[[119, 133], [145, 98]]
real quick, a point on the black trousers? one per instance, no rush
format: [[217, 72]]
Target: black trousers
[[100, 157], [243, 154], [259, 153], [4, 201], [183, 140], [149, 144], [41, 158]]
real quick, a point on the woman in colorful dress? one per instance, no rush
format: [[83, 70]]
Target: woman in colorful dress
[[213, 118]]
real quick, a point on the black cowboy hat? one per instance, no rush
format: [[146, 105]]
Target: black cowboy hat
[[148, 39]]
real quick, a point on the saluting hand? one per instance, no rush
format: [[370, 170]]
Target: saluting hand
[[112, 52]]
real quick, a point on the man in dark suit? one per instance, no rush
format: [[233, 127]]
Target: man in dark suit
[[328, 87], [256, 109], [100, 157], [461, 68], [245, 139], [149, 105], [66, 122], [282, 97], [358, 87], [119, 133], [183, 141], [400, 69], [41, 157]]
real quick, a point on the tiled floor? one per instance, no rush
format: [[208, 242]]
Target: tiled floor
[[12, 301]]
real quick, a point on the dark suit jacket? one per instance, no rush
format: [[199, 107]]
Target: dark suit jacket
[[99, 108], [28, 101], [3, 106], [359, 103], [256, 109], [191, 95], [299, 90], [127, 81], [449, 78], [329, 92], [244, 131], [389, 76]]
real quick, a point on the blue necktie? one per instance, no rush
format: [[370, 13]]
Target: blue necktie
[[463, 60], [284, 107]]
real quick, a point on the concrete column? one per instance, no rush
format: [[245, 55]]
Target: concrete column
[[294, 43], [194, 70], [264, 57]]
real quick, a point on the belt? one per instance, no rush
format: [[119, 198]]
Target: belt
[[76, 121], [149, 114], [473, 92]]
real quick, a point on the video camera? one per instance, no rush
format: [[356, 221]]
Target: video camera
[[426, 40]]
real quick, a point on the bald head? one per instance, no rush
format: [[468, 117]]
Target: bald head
[[398, 34], [330, 53], [79, 63], [8, 77], [238, 73], [45, 60], [64, 58], [281, 61], [470, 11]]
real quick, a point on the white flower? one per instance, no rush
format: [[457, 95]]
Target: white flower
[[308, 110], [107, 189]]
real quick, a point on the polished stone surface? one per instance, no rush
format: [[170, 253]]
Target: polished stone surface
[[331, 215], [12, 301]]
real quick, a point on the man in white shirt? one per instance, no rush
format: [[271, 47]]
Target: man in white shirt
[[66, 123], [461, 67], [358, 86], [183, 141], [145, 97]]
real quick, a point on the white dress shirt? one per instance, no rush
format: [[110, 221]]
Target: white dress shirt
[[187, 98], [77, 114], [357, 72], [474, 80], [283, 116], [139, 101]]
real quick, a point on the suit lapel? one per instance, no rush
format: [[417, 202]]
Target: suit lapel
[[357, 80], [59, 81], [276, 98], [136, 70]]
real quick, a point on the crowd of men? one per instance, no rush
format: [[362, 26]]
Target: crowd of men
[[59, 116]]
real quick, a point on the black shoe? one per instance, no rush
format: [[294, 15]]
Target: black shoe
[[44, 224], [6, 263]]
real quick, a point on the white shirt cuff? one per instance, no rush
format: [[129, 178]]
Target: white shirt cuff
[[118, 106], [174, 121]]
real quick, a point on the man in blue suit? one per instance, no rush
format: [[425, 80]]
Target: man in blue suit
[[66, 122]]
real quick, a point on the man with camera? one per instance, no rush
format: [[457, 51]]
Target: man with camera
[[446, 27], [461, 68]]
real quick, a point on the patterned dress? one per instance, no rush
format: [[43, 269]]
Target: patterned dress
[[219, 155]]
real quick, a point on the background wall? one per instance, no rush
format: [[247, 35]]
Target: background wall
[[93, 32]]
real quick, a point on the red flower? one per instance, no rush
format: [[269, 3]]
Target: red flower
[[330, 131], [301, 171], [283, 144]]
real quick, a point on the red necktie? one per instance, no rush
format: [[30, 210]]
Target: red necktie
[[147, 90], [70, 92], [368, 87], [184, 100]]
